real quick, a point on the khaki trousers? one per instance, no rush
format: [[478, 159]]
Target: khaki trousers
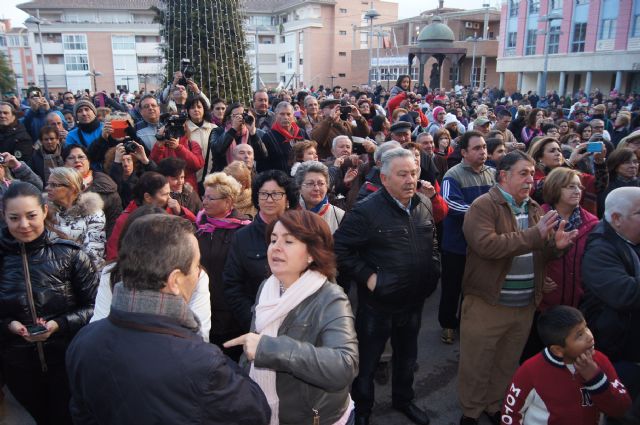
[[491, 342]]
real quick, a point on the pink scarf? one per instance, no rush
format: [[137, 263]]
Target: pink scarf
[[245, 138], [208, 224]]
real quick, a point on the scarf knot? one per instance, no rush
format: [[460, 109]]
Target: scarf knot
[[289, 135]]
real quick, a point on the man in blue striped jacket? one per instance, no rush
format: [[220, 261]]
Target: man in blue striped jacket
[[461, 185]]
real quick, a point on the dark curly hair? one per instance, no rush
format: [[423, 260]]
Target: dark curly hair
[[282, 180]]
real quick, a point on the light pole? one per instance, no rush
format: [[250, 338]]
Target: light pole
[[547, 18], [472, 74], [485, 36], [371, 14], [94, 74], [38, 22]]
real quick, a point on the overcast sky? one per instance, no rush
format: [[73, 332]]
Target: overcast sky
[[408, 8]]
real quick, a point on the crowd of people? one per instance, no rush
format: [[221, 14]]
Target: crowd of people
[[167, 258]]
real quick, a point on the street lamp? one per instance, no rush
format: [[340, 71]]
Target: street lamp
[[547, 19], [94, 74], [485, 36], [371, 14], [472, 74], [38, 22]]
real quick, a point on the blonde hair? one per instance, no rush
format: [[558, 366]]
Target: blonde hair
[[226, 185], [69, 177], [239, 171]]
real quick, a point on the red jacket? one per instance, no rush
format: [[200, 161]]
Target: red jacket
[[566, 271], [112, 242], [545, 392], [395, 102], [189, 151]]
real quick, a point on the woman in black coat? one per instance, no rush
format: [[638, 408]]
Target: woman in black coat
[[217, 222], [273, 192], [46, 295]]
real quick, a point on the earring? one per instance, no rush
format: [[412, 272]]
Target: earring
[[310, 260]]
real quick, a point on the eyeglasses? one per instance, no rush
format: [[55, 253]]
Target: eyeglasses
[[55, 185], [632, 162], [211, 198], [319, 184], [276, 196], [76, 158], [574, 188]]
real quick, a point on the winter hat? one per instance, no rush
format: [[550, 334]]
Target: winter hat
[[449, 119], [437, 110], [79, 104]]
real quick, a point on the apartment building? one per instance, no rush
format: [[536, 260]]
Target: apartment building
[[304, 43], [587, 44], [96, 44], [14, 45]]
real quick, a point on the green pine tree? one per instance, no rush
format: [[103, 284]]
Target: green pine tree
[[7, 81], [210, 34]]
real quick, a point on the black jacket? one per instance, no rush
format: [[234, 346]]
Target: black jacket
[[220, 141], [378, 236], [164, 375], [214, 249], [277, 152], [15, 139], [42, 166], [245, 269], [611, 302], [64, 285]]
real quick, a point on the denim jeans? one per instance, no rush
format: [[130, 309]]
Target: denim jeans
[[374, 328]]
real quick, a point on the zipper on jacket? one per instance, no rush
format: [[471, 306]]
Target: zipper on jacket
[[316, 417], [32, 306]]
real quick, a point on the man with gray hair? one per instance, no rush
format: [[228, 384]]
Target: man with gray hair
[[387, 245], [279, 140], [611, 277], [372, 180]]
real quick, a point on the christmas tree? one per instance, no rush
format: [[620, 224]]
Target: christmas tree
[[210, 34]]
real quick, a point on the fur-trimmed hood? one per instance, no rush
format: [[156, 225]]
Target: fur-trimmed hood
[[88, 203]]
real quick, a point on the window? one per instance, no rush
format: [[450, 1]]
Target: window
[[342, 75], [579, 36], [513, 7], [579, 2], [554, 39], [14, 41], [75, 42], [534, 7], [608, 29], [556, 4], [300, 61], [283, 59], [635, 22], [282, 39], [289, 61], [3, 41], [342, 53], [343, 10], [530, 46], [342, 32], [608, 18], [123, 42], [76, 62], [511, 40]]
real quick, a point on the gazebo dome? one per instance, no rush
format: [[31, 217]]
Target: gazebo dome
[[436, 34]]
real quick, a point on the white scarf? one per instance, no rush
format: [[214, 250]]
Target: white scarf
[[270, 313]]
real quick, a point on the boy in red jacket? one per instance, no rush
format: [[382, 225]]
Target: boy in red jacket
[[569, 382]]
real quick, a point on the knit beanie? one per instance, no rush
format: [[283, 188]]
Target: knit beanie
[[79, 104], [436, 111]]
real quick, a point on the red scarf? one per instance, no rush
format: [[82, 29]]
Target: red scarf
[[294, 135]]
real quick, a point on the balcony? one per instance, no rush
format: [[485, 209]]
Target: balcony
[[302, 23], [50, 48], [148, 49], [150, 68]]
